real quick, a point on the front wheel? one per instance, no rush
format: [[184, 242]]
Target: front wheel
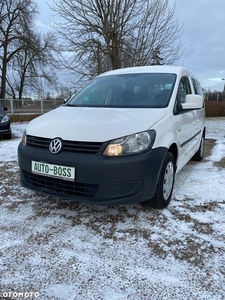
[[165, 184]]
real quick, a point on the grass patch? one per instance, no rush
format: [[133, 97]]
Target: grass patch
[[220, 164], [209, 144]]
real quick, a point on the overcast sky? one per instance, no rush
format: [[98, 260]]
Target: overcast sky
[[203, 37]]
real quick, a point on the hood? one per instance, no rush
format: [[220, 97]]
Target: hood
[[93, 124]]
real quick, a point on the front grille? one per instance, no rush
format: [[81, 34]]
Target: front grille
[[61, 187], [68, 146], [38, 142]]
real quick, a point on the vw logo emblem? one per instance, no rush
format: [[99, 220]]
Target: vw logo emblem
[[55, 146]]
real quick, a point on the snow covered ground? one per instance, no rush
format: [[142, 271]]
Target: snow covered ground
[[54, 249]]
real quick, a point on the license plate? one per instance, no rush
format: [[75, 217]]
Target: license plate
[[63, 172]]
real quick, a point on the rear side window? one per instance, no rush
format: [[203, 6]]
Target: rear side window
[[197, 87]]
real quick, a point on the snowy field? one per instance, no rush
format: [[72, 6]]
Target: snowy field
[[54, 249]]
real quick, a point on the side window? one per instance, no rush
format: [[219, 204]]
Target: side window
[[197, 87], [183, 90]]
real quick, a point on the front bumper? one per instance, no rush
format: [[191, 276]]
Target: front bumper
[[5, 128], [99, 180]]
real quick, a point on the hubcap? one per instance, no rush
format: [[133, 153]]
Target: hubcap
[[168, 180]]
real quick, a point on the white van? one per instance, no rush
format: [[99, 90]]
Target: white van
[[121, 139]]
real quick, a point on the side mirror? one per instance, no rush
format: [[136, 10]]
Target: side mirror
[[193, 102], [5, 108]]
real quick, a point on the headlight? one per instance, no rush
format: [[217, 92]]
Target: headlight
[[24, 138], [131, 144], [5, 119]]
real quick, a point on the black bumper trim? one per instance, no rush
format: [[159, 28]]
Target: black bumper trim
[[103, 181], [61, 187]]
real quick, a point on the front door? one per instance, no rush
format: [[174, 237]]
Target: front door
[[186, 125]]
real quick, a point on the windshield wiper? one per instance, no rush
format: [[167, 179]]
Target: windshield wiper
[[71, 105]]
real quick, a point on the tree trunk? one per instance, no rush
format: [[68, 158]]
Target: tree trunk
[[4, 70]]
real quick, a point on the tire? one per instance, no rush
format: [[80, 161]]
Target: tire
[[200, 153], [165, 184], [8, 136]]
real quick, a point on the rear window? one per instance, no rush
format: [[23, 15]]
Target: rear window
[[128, 90]]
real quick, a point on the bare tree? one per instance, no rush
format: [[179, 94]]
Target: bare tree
[[27, 58], [99, 35], [34, 63], [16, 18]]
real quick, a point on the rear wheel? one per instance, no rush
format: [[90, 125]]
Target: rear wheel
[[165, 184], [200, 153]]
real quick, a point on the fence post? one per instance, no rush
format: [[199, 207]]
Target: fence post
[[42, 110], [11, 106]]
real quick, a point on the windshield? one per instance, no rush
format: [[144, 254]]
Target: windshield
[[151, 90]]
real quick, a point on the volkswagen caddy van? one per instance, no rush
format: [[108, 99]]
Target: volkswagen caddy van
[[121, 139]]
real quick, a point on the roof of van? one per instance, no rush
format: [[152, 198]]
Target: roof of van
[[150, 69]]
